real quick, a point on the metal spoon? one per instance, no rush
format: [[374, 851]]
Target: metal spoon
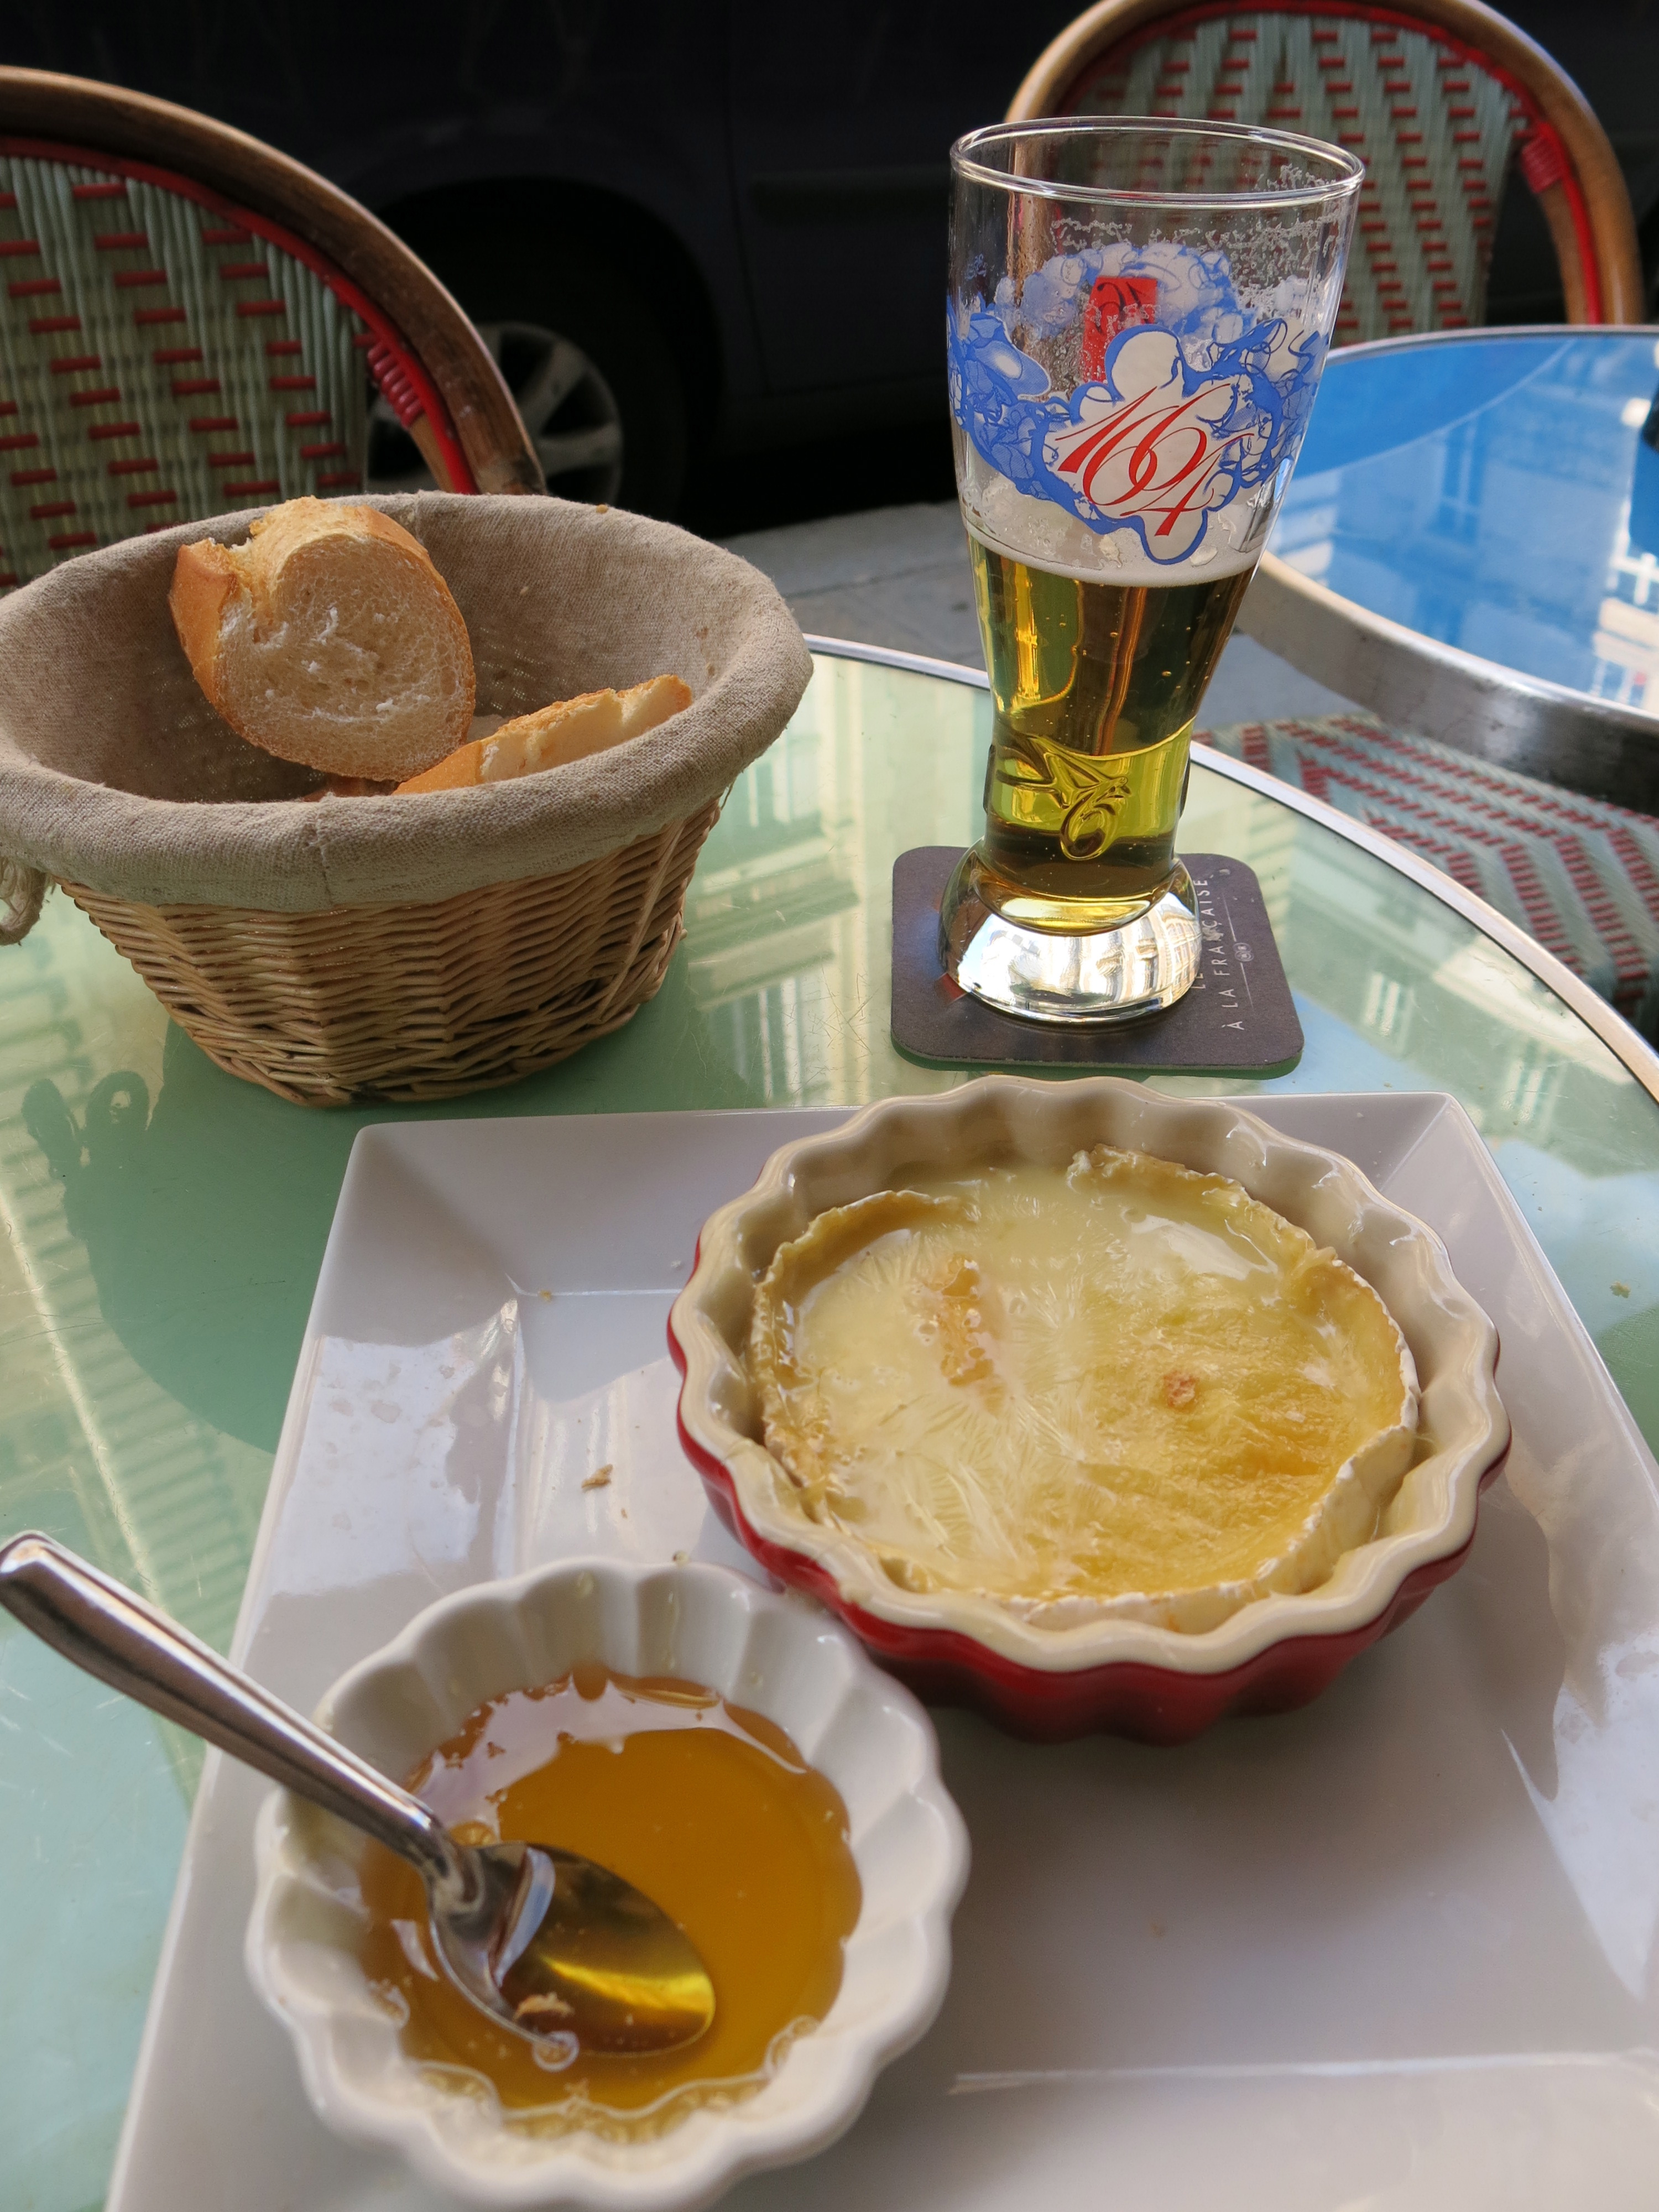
[[549, 1944]]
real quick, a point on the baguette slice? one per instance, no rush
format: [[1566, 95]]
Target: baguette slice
[[328, 638], [348, 786], [552, 737]]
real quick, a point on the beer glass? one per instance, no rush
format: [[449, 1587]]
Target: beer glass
[[1138, 312]]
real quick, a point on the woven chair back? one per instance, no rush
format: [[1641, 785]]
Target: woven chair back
[[1436, 118], [159, 359], [190, 323]]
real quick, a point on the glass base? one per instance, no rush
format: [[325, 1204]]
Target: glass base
[[1052, 975]]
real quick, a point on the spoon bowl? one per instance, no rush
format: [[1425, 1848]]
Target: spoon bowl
[[549, 1944], [558, 1947]]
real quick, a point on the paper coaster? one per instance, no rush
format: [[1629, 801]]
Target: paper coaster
[[1237, 1019]]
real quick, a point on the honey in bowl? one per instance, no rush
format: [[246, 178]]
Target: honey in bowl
[[1120, 1386], [706, 1807]]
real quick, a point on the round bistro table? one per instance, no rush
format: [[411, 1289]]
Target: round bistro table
[[1470, 547], [165, 1222]]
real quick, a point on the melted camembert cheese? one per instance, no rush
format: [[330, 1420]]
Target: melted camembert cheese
[[1121, 1386]]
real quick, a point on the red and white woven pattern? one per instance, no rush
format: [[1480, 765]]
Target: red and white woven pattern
[[1579, 875], [157, 362], [1434, 126]]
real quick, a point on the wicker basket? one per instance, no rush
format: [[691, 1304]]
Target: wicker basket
[[409, 1002], [266, 929]]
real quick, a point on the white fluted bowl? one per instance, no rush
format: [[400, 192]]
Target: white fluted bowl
[[777, 1654]]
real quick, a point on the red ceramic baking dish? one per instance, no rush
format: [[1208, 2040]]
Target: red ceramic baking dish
[[1132, 1676]]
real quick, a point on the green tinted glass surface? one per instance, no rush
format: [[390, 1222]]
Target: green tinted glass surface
[[165, 1223]]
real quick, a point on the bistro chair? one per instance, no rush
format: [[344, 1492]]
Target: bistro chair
[[1579, 875], [1437, 97], [190, 323]]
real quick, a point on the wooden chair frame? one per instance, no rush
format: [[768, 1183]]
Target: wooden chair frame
[[1567, 160], [473, 438]]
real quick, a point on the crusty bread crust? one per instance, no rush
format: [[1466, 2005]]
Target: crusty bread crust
[[455, 773], [328, 638], [204, 581], [569, 730]]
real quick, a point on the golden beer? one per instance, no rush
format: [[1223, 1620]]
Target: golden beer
[[1095, 686]]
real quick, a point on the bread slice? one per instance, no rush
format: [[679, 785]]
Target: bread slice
[[569, 730], [328, 638], [348, 786]]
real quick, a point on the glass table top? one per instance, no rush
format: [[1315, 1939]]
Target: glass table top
[[164, 1224], [1493, 492]]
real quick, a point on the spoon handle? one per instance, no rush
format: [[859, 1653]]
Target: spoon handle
[[105, 1628]]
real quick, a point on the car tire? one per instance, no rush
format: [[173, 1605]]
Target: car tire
[[607, 320], [569, 411], [585, 356]]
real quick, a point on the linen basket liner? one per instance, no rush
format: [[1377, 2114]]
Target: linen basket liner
[[108, 750]]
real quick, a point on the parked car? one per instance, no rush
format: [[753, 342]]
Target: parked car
[[690, 226]]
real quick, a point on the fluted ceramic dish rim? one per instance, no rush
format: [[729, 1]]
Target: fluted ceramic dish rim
[[776, 1652], [1432, 1517]]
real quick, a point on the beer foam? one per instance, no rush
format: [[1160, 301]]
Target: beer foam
[[1044, 536]]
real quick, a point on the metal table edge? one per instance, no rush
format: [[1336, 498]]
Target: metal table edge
[[1636, 1056], [1405, 674], [1313, 598], [1541, 727], [1477, 333]]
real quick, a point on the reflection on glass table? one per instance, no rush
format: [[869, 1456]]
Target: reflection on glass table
[[165, 1223], [1490, 495]]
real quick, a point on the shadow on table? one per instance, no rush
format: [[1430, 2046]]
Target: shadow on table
[[170, 1202], [204, 1213]]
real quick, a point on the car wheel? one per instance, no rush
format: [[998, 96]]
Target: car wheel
[[569, 411]]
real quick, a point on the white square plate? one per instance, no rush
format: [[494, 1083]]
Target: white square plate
[[1394, 1950]]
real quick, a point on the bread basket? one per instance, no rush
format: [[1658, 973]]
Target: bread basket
[[396, 948]]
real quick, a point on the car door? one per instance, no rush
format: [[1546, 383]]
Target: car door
[[842, 119]]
